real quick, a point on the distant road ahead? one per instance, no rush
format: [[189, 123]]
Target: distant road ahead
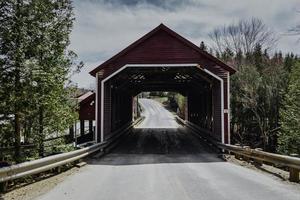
[[156, 116]]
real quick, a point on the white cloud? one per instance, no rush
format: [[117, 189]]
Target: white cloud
[[103, 29]]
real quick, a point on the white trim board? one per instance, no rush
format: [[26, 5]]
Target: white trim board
[[228, 105], [159, 65], [96, 108], [222, 102]]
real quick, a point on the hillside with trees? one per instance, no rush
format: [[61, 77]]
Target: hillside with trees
[[265, 89]]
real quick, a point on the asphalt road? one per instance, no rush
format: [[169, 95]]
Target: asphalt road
[[156, 116], [167, 163]]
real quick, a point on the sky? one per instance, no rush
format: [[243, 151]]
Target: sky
[[102, 28]]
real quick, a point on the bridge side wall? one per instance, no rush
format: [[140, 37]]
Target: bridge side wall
[[200, 110]]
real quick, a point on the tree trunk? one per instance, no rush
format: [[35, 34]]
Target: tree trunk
[[17, 138], [41, 130], [17, 115], [17, 88]]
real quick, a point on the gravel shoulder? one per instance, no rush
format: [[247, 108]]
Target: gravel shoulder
[[275, 173], [36, 189]]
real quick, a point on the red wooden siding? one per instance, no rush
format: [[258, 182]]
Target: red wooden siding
[[87, 108], [107, 108], [163, 46]]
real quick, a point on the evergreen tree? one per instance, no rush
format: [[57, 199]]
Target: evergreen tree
[[35, 67], [288, 141], [258, 57], [266, 54], [289, 62], [14, 70], [52, 66]]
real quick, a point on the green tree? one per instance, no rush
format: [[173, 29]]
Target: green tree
[[51, 25], [258, 57], [256, 99], [35, 69], [14, 79], [260, 83], [245, 99], [289, 62], [289, 135]]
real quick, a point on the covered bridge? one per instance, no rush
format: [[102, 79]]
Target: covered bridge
[[162, 60]]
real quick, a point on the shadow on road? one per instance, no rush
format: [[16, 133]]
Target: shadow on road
[[153, 146]]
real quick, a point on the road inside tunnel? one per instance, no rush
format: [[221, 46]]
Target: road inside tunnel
[[160, 133]]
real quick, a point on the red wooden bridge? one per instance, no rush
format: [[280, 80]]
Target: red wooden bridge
[[162, 60]]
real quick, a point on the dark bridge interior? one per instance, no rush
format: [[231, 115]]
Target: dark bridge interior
[[201, 90]]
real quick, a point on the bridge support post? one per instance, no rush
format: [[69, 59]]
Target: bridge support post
[[81, 127], [246, 158], [237, 156], [257, 162], [58, 169], [90, 126]]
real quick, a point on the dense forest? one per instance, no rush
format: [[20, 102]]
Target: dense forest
[[265, 97]]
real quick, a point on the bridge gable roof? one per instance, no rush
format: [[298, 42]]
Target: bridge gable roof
[[161, 46]]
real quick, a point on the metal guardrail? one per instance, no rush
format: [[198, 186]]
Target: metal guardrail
[[44, 164], [50, 162], [259, 156]]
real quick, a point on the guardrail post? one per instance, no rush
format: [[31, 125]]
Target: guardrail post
[[256, 161], [237, 156], [58, 169], [246, 158], [3, 186], [294, 173]]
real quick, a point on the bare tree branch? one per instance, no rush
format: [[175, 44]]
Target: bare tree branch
[[243, 36]]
